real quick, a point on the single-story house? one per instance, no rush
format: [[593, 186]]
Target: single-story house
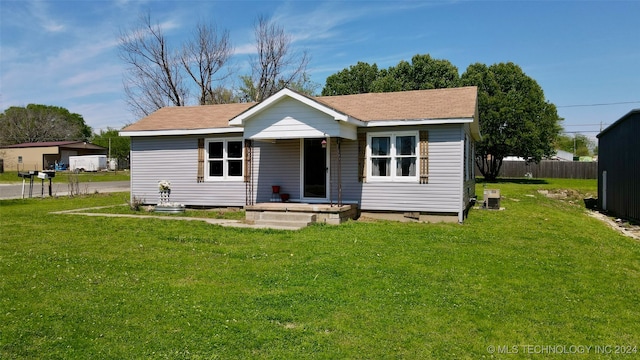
[[619, 167], [44, 155], [405, 152]]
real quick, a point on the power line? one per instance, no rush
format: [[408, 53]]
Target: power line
[[602, 104], [580, 132], [601, 124]]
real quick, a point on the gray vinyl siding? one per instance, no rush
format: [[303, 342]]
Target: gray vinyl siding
[[351, 187], [175, 158], [276, 164], [443, 192]]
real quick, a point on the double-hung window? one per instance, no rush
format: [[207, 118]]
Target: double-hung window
[[393, 156], [224, 159]]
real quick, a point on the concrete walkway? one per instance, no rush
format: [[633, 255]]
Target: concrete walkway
[[221, 222]]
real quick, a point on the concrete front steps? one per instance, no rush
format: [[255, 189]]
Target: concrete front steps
[[292, 215], [283, 220]]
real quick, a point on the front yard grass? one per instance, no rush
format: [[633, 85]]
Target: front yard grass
[[540, 272]]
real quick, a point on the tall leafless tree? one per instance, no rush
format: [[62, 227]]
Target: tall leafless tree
[[204, 58], [275, 65], [154, 77]]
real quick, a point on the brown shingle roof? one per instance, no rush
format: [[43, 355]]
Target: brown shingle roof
[[189, 117], [418, 104]]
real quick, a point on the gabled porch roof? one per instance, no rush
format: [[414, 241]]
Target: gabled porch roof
[[288, 93]]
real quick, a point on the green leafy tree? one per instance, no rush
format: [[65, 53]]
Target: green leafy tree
[[579, 145], [38, 123], [515, 118], [222, 95], [248, 91], [357, 79], [120, 146], [304, 85], [423, 73]]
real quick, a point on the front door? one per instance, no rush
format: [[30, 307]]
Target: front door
[[314, 169]]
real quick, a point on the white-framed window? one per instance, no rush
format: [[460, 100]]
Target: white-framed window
[[393, 156], [224, 159]]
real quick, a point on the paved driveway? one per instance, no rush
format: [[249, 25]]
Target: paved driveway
[[14, 191]]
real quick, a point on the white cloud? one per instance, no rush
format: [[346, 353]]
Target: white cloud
[[245, 49], [43, 17]]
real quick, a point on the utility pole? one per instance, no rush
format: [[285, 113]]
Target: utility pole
[[109, 158]]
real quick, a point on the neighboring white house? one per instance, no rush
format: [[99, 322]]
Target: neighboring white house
[[407, 151], [562, 155]]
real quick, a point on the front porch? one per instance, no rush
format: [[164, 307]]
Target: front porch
[[299, 214]]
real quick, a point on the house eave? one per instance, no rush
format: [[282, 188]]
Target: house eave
[[353, 121], [416, 122], [179, 132], [408, 122]]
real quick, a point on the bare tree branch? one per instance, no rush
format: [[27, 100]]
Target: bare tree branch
[[153, 77], [204, 57], [275, 66]]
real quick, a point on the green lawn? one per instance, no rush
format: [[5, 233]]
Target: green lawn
[[9, 177], [540, 273]]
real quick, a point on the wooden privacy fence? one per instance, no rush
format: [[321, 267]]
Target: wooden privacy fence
[[549, 169]]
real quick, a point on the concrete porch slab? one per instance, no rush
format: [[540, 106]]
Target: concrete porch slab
[[324, 213]]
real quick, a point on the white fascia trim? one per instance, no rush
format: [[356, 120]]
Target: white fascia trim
[[375, 123], [239, 120], [181, 132], [354, 121]]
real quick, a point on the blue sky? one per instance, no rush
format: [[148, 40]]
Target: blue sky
[[64, 52]]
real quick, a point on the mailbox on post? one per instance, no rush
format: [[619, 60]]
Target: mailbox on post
[[42, 175]]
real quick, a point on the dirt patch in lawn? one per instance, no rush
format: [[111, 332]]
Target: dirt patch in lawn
[[624, 227], [576, 198]]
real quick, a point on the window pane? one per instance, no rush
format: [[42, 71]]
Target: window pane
[[406, 145], [380, 146], [215, 150], [234, 149], [215, 168], [406, 167], [235, 168], [380, 167]]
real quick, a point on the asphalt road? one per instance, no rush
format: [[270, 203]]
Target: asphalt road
[[14, 191]]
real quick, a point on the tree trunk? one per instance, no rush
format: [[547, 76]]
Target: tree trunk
[[489, 166]]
